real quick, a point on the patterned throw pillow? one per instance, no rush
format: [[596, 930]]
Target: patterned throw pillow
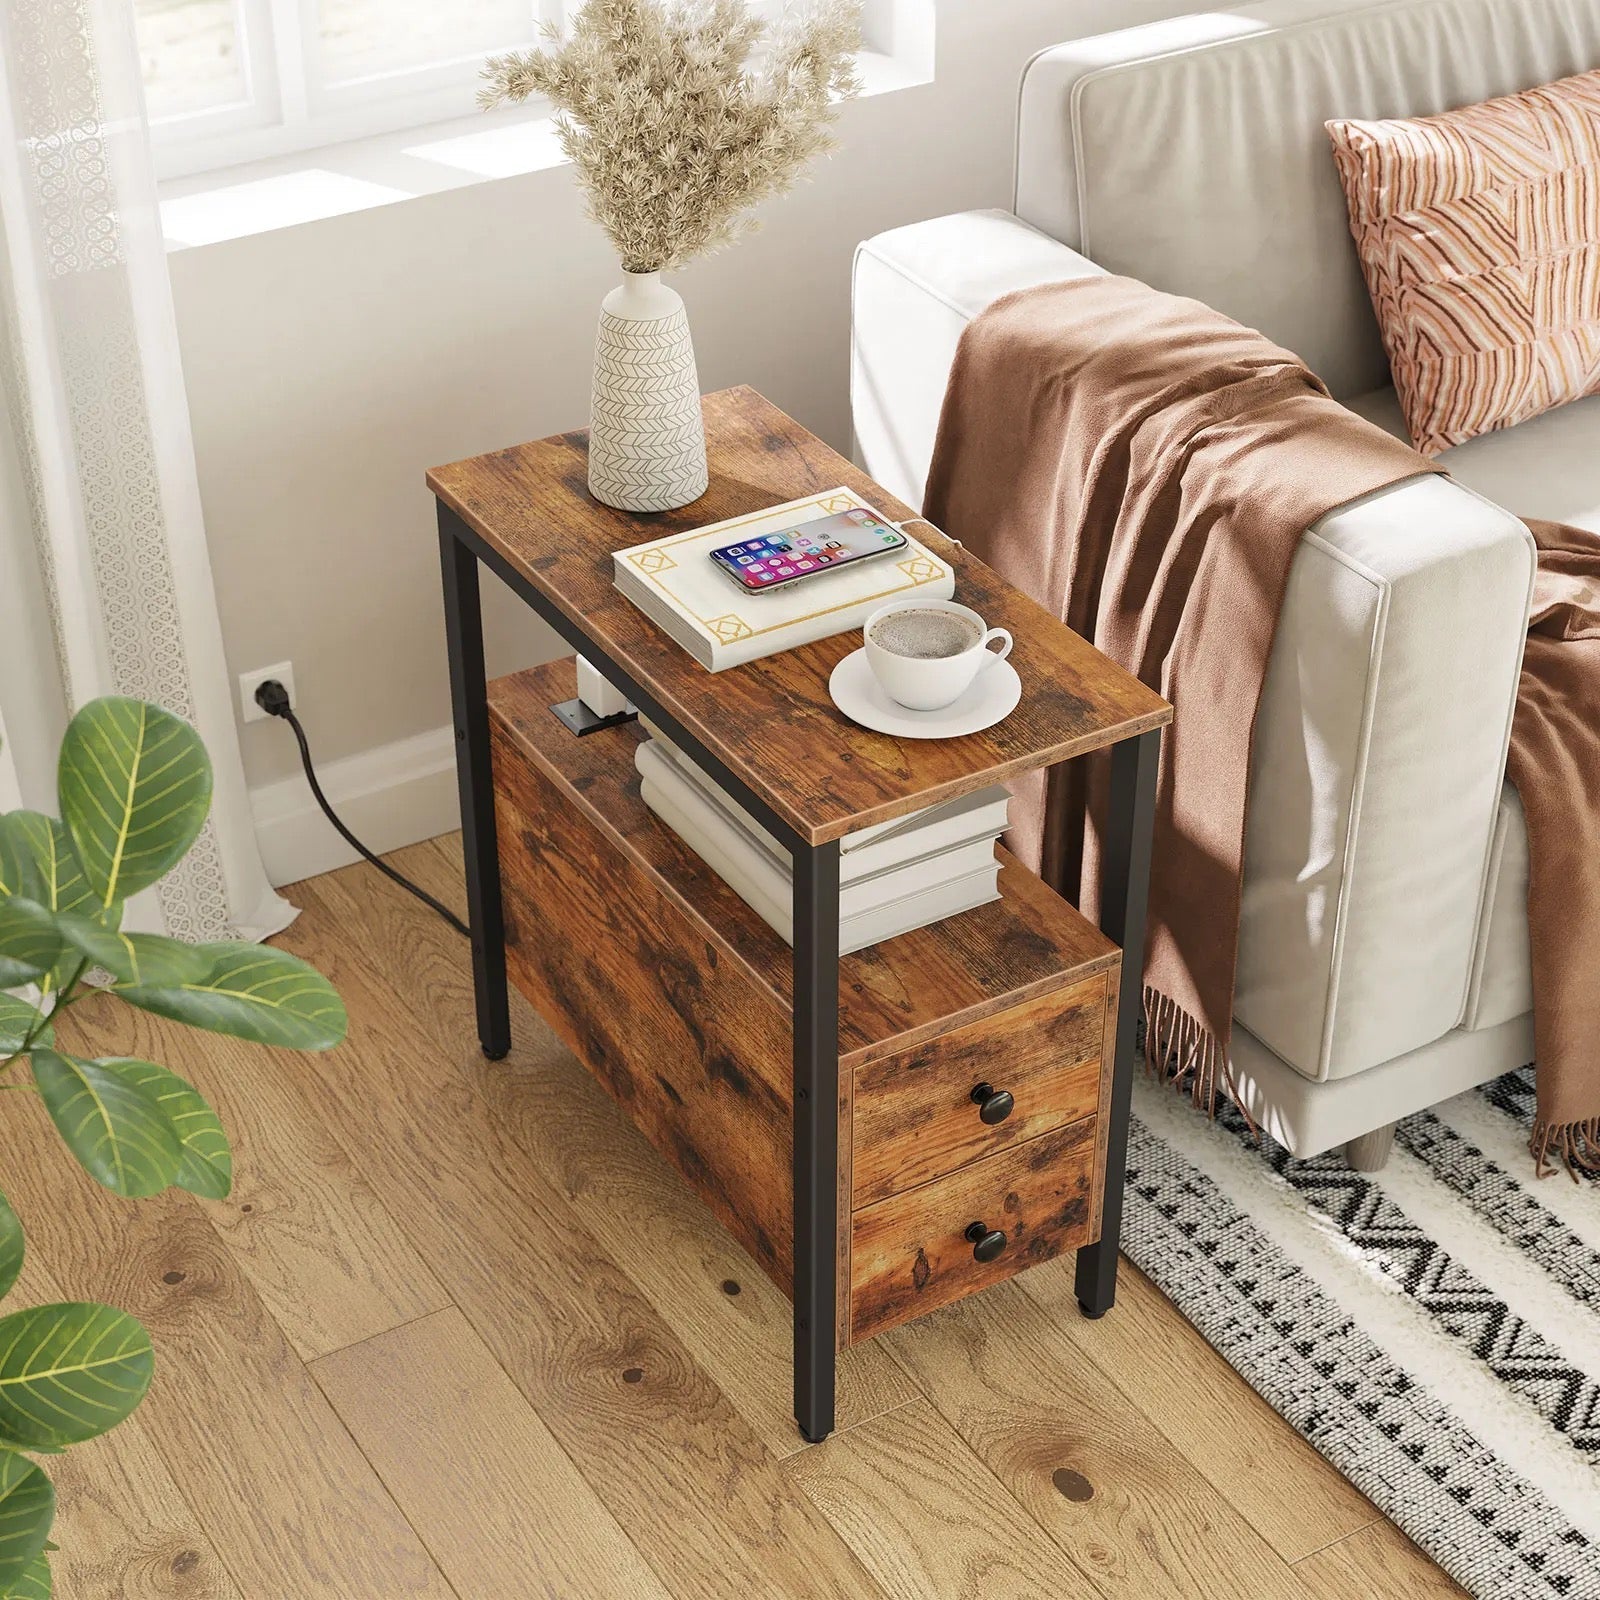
[[1479, 234]]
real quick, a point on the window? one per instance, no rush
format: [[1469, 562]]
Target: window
[[239, 80], [235, 80]]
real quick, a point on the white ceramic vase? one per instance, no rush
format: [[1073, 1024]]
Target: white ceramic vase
[[647, 439]]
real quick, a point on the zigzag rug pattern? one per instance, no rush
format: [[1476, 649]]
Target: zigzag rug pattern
[[1462, 1306], [1456, 1385], [1500, 1201]]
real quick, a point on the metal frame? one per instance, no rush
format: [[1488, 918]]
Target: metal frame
[[1124, 894], [1126, 879], [816, 1135]]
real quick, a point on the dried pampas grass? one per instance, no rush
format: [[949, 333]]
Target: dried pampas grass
[[674, 131]]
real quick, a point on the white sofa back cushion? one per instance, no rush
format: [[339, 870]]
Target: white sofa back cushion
[[1191, 153]]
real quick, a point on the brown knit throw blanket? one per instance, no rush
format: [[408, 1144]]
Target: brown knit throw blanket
[[1145, 468]]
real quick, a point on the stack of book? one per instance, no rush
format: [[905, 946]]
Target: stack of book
[[893, 876]]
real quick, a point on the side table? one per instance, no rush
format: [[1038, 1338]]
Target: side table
[[842, 1118]]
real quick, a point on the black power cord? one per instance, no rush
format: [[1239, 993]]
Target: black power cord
[[273, 698]]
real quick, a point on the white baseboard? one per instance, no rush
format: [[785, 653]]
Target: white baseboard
[[393, 796]]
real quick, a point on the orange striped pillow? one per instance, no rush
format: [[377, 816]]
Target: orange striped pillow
[[1479, 234]]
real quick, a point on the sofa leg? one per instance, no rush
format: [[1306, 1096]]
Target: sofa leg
[[1370, 1153]]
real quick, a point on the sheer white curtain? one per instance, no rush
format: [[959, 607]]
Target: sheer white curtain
[[105, 584]]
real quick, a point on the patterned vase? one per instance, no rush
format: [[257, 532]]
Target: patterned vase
[[647, 439]]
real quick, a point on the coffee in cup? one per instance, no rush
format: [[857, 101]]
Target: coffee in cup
[[926, 653], [926, 635]]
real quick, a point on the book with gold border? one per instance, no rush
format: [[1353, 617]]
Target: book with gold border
[[677, 585]]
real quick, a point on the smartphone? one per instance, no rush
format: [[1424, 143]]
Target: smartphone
[[774, 560]]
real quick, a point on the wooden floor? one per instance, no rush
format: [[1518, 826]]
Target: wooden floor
[[459, 1332]]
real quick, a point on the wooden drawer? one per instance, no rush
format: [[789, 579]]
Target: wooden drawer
[[910, 1254], [915, 1119]]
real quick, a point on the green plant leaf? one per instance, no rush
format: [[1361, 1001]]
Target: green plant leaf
[[119, 1135], [51, 872], [29, 943], [69, 1372], [11, 1247], [54, 880], [27, 1508], [136, 958], [14, 877], [254, 992], [17, 1017], [135, 786], [207, 1165], [35, 1583]]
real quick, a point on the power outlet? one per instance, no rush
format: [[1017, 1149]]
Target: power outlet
[[249, 682]]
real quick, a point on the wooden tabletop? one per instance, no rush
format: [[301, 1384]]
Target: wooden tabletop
[[771, 722]]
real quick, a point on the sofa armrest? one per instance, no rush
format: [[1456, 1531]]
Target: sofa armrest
[[915, 289], [1375, 776], [1381, 740]]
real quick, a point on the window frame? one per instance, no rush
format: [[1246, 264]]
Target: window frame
[[286, 111]]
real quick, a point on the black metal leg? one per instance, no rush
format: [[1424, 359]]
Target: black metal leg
[[816, 1133], [463, 622], [1124, 893]]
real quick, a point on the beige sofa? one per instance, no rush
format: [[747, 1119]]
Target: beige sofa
[[1384, 960]]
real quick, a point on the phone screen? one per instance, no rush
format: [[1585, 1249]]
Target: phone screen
[[771, 560]]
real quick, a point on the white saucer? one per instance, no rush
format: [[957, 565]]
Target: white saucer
[[993, 697]]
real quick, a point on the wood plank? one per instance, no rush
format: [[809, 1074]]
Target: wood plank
[[927, 1518], [820, 772], [909, 1253], [330, 1264], [1252, 1458], [247, 1437], [1096, 1474], [893, 996], [659, 1444], [125, 1530], [476, 1472], [1378, 1563], [611, 962], [734, 1321], [123, 1527], [915, 1118]]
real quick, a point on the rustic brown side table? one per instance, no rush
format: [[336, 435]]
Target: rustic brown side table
[[884, 1132]]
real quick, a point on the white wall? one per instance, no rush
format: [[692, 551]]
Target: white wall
[[330, 364]]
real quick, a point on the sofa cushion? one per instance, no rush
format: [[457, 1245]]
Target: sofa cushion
[[1502, 968], [1478, 232], [1548, 467]]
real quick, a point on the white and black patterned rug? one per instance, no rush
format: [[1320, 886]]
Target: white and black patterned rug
[[1432, 1329]]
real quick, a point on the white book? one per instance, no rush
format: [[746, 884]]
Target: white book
[[677, 585], [981, 815], [770, 895], [864, 893]]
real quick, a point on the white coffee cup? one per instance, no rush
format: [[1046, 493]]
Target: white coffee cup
[[929, 682]]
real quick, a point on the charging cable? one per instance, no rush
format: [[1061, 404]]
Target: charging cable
[[273, 698]]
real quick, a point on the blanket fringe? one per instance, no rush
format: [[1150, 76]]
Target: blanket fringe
[[1576, 1143], [1183, 1052]]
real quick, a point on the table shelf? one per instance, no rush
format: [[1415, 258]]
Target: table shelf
[[892, 996]]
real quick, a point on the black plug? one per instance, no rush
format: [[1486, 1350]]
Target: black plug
[[272, 697]]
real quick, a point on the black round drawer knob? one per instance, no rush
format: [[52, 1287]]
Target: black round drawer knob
[[994, 1105], [987, 1243]]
